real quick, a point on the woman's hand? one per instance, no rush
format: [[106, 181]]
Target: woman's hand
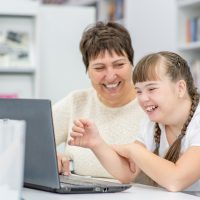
[[63, 164], [84, 134]]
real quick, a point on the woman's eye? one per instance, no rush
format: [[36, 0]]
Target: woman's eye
[[119, 65], [99, 68]]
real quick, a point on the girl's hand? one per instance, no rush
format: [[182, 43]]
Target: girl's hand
[[84, 134], [123, 150]]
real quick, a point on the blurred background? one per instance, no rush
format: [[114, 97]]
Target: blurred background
[[39, 40]]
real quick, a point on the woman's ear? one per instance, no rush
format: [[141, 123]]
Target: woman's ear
[[181, 88]]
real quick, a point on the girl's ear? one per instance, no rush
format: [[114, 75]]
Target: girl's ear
[[181, 88]]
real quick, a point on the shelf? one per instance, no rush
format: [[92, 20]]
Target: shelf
[[188, 3], [189, 36], [82, 2], [19, 47], [106, 10], [18, 70], [189, 46], [19, 9]]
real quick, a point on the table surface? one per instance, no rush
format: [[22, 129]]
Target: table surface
[[136, 192]]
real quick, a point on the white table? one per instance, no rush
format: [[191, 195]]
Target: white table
[[137, 192]]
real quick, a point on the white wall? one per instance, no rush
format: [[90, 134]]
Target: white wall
[[152, 24], [62, 69]]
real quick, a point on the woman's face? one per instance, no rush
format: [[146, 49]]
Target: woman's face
[[158, 98], [111, 77]]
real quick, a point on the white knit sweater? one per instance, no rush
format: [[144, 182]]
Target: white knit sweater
[[116, 125]]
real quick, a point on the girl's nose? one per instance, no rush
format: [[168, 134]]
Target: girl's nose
[[143, 97]]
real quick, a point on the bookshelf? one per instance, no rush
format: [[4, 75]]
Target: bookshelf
[[18, 49], [188, 12], [106, 10], [62, 69]]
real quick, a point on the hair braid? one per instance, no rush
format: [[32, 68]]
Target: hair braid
[[157, 138], [174, 151]]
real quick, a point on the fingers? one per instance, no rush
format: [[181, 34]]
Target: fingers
[[59, 164], [83, 123], [75, 142], [76, 135], [77, 131], [78, 123], [84, 133], [63, 164]]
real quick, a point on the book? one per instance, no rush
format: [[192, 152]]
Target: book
[[195, 70], [192, 29], [198, 28], [8, 95], [115, 10], [188, 30]]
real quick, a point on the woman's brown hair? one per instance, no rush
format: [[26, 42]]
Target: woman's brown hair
[[177, 69], [110, 36]]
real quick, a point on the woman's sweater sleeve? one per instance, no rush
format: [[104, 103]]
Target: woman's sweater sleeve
[[60, 120]]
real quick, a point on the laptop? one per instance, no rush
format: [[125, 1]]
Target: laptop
[[41, 169]]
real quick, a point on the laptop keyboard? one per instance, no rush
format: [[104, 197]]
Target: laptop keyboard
[[85, 181]]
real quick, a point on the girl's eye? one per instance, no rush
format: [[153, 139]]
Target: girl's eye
[[138, 92], [152, 89]]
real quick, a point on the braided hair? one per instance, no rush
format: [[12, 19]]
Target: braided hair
[[174, 151], [177, 69]]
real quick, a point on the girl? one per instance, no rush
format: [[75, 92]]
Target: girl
[[168, 146]]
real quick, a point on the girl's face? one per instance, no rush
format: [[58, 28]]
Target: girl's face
[[111, 77], [159, 97]]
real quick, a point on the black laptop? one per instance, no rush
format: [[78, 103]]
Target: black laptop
[[41, 170]]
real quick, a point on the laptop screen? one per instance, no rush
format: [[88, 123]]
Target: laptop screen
[[39, 151]]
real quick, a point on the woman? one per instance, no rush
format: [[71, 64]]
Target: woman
[[168, 146], [108, 57]]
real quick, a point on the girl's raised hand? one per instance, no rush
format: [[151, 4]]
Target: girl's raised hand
[[84, 134]]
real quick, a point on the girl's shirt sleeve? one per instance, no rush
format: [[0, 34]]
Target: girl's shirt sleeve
[[146, 134]]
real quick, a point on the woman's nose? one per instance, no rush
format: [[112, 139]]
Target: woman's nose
[[110, 75]]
